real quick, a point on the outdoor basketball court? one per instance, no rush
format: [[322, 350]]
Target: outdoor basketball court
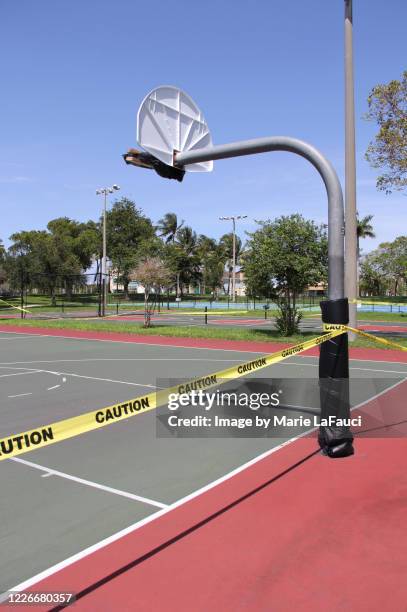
[[178, 318], [60, 500]]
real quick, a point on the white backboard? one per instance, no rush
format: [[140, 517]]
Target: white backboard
[[168, 120]]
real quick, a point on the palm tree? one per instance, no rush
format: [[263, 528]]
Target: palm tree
[[185, 257], [364, 229], [2, 260], [187, 239], [169, 226], [206, 244], [211, 260]]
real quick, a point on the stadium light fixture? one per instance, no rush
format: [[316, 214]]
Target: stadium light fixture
[[233, 218]]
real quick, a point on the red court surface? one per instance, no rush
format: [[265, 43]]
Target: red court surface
[[293, 531], [240, 321], [385, 328], [138, 318]]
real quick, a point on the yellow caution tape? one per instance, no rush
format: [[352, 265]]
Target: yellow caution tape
[[364, 303], [211, 313], [383, 303], [16, 307], [17, 444], [336, 326]]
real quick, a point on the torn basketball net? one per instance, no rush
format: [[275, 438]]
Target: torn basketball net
[[146, 160]]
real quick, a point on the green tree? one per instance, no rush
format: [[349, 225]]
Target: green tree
[[36, 261], [130, 237], [77, 244], [384, 270], [212, 258], [55, 258], [372, 280], [81, 239], [282, 258], [187, 240], [185, 260], [169, 226], [388, 107], [364, 229], [393, 257], [3, 274]]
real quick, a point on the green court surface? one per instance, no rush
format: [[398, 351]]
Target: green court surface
[[59, 500]]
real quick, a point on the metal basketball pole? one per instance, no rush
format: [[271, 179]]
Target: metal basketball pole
[[351, 254], [334, 354]]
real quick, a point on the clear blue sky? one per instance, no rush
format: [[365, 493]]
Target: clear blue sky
[[74, 73]]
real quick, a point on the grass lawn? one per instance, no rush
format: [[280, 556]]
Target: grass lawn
[[370, 316], [42, 304], [254, 335], [382, 316], [75, 307]]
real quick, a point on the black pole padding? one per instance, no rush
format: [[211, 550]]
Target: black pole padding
[[334, 439]]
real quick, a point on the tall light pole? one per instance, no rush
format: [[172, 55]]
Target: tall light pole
[[105, 191], [351, 257], [233, 218]]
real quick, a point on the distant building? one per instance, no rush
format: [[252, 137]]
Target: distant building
[[240, 287], [116, 286], [318, 289]]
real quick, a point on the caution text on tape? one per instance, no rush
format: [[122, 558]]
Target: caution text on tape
[[345, 328], [17, 444]]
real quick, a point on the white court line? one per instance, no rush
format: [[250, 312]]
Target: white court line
[[315, 365], [198, 359], [375, 370], [123, 382], [90, 483], [14, 338], [110, 380], [19, 395], [120, 534], [54, 387], [117, 359], [198, 348], [20, 373]]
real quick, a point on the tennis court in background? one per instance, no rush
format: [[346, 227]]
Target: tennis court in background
[[176, 317], [93, 491]]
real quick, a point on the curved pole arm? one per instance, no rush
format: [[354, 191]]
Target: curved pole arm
[[325, 169]]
